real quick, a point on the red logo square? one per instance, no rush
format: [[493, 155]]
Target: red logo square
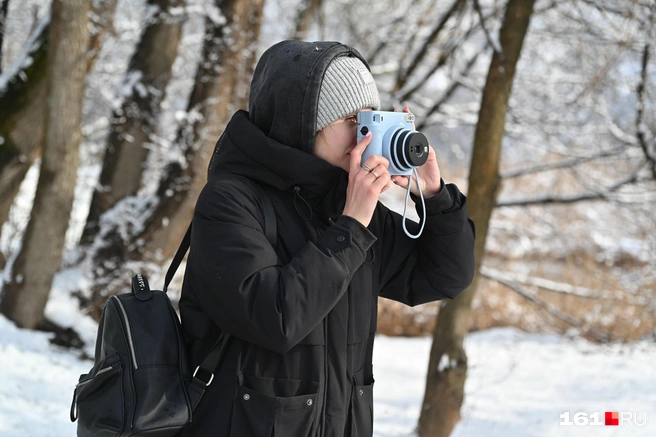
[[612, 418]]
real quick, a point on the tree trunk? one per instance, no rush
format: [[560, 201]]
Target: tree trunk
[[308, 10], [133, 124], [221, 87], [4, 7], [216, 101], [26, 293], [102, 20], [22, 109], [22, 119], [447, 368]]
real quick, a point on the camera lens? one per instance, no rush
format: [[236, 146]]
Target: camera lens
[[409, 149], [416, 149]]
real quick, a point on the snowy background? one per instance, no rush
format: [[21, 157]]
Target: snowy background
[[519, 384]]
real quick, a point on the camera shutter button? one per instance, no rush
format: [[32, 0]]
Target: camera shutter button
[[364, 130]]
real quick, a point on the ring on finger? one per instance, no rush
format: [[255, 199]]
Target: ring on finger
[[366, 168], [375, 174]]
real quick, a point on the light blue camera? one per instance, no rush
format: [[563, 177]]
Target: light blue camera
[[393, 138]]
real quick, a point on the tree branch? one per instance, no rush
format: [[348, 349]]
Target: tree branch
[[490, 41], [550, 309], [449, 92], [610, 60], [384, 42], [403, 75], [572, 198], [619, 12], [426, 15], [308, 10], [441, 61], [567, 163], [640, 90], [549, 285]]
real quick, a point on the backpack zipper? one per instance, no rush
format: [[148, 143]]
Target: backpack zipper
[[109, 368], [100, 372], [133, 354]]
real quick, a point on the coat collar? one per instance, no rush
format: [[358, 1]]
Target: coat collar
[[245, 150]]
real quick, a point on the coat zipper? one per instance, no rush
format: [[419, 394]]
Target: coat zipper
[[133, 354], [325, 376]]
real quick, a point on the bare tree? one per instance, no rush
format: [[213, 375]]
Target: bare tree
[[22, 112], [220, 87], [133, 124], [447, 368], [647, 144], [25, 295], [4, 7], [580, 126], [422, 41], [307, 12], [22, 118]]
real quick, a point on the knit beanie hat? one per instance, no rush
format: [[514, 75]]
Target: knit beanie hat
[[347, 86]]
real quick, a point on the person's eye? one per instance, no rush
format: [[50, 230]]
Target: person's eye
[[352, 118]]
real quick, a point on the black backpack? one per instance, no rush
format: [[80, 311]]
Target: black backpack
[[141, 382]]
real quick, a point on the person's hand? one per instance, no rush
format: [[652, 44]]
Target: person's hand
[[429, 175], [366, 183]]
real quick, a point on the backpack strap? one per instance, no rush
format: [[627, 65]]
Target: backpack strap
[[204, 374], [177, 259]]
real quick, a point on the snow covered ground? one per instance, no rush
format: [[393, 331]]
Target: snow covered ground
[[519, 384]]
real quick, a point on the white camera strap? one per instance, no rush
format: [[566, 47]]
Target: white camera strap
[[405, 207]]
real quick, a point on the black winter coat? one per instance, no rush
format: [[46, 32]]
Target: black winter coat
[[302, 315]]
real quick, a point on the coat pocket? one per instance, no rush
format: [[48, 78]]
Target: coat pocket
[[362, 411], [98, 400], [265, 414]]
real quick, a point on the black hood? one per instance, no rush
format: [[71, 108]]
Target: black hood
[[244, 150], [285, 89], [273, 143]]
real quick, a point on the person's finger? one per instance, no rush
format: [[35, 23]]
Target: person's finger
[[356, 153], [379, 171], [375, 160], [401, 181], [389, 183], [382, 181]]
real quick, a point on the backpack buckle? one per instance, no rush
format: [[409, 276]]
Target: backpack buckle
[[207, 384]]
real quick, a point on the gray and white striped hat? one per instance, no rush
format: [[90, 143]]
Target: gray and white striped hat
[[347, 86]]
